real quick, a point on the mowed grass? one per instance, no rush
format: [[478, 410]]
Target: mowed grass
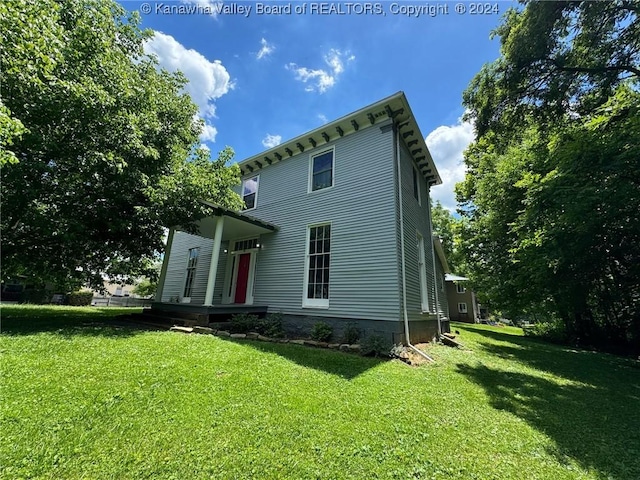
[[82, 399]]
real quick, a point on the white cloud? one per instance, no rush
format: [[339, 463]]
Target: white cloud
[[209, 133], [207, 81], [266, 49], [446, 144], [323, 79], [323, 118], [271, 141]]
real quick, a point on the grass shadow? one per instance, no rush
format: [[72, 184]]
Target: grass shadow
[[341, 364], [591, 412], [563, 361], [67, 321]]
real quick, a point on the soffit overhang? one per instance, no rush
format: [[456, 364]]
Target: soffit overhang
[[395, 108]]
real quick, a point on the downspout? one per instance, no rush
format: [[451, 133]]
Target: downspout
[[402, 261], [435, 268]]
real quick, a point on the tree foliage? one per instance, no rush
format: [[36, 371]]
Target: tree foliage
[[100, 146], [551, 193], [449, 229]]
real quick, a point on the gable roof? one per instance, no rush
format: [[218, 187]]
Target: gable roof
[[394, 107]]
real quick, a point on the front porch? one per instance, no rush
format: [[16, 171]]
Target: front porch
[[201, 315], [210, 272]]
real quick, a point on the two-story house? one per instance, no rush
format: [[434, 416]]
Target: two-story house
[[336, 228]]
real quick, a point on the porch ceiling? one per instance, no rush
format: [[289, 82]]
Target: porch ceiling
[[236, 225]]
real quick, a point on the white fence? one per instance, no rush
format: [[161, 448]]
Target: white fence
[[121, 302]]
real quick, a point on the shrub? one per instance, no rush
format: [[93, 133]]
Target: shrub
[[351, 334], [36, 296], [321, 332], [80, 299], [243, 323], [552, 331], [375, 345], [271, 325]]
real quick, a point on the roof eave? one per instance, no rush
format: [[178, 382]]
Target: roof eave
[[394, 107]]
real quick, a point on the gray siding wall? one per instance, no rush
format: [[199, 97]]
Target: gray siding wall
[[177, 268], [416, 218], [360, 208], [455, 298]]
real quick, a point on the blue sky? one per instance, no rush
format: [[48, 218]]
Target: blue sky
[[260, 78]]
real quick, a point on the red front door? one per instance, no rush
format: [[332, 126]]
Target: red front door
[[242, 278]]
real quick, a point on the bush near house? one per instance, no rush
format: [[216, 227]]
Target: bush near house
[[375, 346], [321, 332], [270, 326]]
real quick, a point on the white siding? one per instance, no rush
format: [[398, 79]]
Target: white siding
[[176, 270], [416, 220], [360, 208]]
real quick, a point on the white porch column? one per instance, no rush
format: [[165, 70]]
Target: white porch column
[[215, 257], [165, 265]]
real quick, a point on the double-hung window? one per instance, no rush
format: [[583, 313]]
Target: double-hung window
[[316, 285], [250, 192], [321, 171], [462, 307], [460, 288], [192, 263]]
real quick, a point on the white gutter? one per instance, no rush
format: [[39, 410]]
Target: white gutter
[[435, 268], [396, 133]]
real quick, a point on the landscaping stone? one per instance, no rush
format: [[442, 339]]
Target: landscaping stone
[[311, 343], [354, 348], [238, 335], [297, 342], [323, 344], [282, 340], [203, 330], [264, 339], [177, 328], [344, 347], [253, 335], [334, 346], [223, 333]]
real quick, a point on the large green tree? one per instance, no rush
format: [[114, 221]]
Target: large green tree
[[449, 229], [551, 192], [100, 146]]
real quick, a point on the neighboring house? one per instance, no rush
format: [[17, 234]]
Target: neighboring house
[[463, 305], [336, 228]]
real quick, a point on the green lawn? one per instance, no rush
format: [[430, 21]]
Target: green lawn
[[84, 400]]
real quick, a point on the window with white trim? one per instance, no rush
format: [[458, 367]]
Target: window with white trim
[[192, 263], [462, 307], [422, 273], [321, 171], [316, 285], [250, 192], [460, 288]]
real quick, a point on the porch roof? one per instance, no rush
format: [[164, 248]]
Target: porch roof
[[449, 277], [236, 224]]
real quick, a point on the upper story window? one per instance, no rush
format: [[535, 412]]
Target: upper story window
[[460, 288], [250, 192], [416, 186], [321, 171]]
